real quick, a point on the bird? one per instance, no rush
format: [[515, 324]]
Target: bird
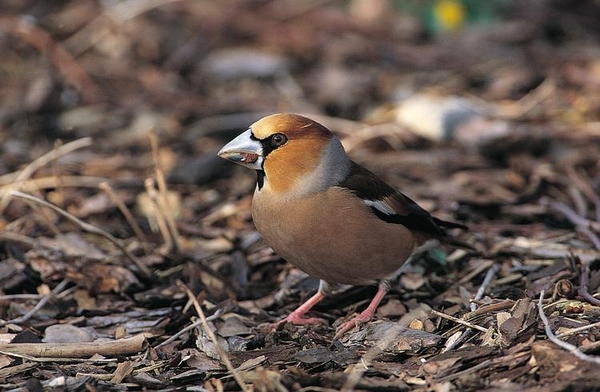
[[326, 214]]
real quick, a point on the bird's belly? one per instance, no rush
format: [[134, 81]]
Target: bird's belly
[[347, 246]]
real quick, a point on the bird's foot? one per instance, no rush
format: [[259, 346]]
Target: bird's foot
[[362, 318], [299, 319], [295, 318]]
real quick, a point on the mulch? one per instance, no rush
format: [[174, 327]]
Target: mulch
[[128, 257]]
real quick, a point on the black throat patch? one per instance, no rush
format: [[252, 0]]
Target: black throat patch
[[260, 178]]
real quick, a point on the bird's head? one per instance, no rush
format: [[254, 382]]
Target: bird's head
[[292, 153]]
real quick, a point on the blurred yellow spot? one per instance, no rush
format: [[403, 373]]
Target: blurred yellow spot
[[450, 14]]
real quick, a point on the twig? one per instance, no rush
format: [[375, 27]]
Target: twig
[[36, 184], [389, 132], [517, 109], [11, 297], [213, 338], [590, 235], [578, 329], [9, 236], [459, 321], [472, 369], [483, 265], [494, 307], [57, 170], [45, 217], [19, 320], [466, 334], [578, 201], [582, 224], [27, 172], [190, 327], [89, 228], [567, 346], [585, 188], [583, 290], [484, 285], [571, 215], [105, 186]]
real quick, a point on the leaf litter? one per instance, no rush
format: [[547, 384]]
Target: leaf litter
[[128, 257]]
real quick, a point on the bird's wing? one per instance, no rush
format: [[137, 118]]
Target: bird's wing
[[390, 205]]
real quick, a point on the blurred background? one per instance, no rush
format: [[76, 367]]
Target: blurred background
[[109, 69]]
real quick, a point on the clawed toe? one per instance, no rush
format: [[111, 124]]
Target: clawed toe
[[348, 325], [296, 320], [293, 319]]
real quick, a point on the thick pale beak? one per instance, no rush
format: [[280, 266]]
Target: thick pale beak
[[244, 151]]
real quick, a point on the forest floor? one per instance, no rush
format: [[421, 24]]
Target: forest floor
[[128, 257]]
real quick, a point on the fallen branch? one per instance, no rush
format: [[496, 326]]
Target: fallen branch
[[111, 348]]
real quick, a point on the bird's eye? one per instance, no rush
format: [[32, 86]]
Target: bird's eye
[[278, 139]]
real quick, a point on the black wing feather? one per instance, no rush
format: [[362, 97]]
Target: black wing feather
[[368, 186]]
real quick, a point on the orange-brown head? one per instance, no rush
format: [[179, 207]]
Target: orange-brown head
[[294, 155]]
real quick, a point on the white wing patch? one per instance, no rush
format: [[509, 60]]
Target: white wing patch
[[380, 206]]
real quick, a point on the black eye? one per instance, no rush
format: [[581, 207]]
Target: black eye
[[278, 139]]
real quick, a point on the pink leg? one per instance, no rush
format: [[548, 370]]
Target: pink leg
[[297, 316], [366, 314]]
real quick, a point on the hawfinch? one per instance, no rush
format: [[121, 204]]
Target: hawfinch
[[324, 213]]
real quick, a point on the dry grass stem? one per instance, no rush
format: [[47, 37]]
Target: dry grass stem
[[459, 321], [578, 330], [517, 109], [36, 184], [213, 338], [16, 180], [157, 214], [88, 228], [163, 199], [189, 328], [21, 239], [105, 186]]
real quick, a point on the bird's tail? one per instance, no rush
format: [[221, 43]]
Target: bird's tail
[[449, 225], [450, 239]]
